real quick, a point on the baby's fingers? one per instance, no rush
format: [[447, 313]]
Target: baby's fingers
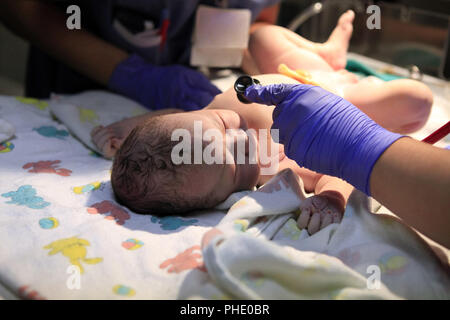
[[96, 130], [314, 223], [319, 202], [103, 138], [304, 217], [336, 216], [327, 219], [111, 148]]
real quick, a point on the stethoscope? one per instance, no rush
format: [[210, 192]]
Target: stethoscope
[[245, 81]]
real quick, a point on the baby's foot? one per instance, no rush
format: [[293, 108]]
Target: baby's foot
[[317, 212], [334, 51]]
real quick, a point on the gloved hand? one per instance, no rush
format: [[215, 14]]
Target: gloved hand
[[323, 132], [161, 87]]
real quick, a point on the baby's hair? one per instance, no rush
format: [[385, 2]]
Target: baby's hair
[[144, 177]]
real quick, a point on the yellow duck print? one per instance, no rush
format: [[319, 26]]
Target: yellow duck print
[[88, 115], [241, 203], [73, 248], [41, 105], [290, 230], [88, 187], [240, 225]]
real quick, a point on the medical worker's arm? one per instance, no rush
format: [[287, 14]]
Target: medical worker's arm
[[44, 25], [325, 133], [412, 179], [155, 87]]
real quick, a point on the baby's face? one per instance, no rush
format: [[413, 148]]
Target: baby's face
[[231, 175]]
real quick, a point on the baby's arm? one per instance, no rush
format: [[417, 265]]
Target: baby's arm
[[326, 206], [337, 190]]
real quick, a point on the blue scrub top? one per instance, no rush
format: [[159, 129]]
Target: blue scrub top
[[46, 75], [180, 13]]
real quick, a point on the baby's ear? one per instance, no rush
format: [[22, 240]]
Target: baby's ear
[[116, 143]]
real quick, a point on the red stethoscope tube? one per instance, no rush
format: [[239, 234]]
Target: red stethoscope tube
[[438, 134]]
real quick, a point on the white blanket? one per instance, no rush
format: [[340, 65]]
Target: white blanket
[[63, 236], [57, 210], [257, 252]]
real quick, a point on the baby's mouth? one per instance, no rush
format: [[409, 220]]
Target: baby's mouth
[[252, 148], [249, 171]]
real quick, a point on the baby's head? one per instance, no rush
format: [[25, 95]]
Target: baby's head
[[147, 179]]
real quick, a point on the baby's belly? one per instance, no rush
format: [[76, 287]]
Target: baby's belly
[[334, 81]]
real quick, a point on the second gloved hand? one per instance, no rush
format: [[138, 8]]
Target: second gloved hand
[[324, 132], [161, 87]]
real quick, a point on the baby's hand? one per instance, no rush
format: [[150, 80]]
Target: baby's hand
[[106, 141], [317, 212], [109, 139]]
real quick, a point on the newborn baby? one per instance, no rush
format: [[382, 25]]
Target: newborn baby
[[146, 180]]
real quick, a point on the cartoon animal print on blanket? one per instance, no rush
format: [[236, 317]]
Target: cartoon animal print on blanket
[[290, 230], [190, 258], [49, 223], [87, 188], [122, 290], [26, 293], [6, 147], [132, 244], [26, 196], [41, 105], [52, 132], [392, 263], [74, 249], [48, 166], [88, 115], [173, 223], [116, 212], [350, 256]]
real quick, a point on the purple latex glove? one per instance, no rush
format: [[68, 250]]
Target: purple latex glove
[[324, 132], [161, 87]]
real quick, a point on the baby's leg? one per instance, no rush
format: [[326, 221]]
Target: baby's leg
[[401, 106], [271, 45]]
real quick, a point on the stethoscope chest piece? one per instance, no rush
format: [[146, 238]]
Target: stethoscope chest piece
[[241, 84]]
